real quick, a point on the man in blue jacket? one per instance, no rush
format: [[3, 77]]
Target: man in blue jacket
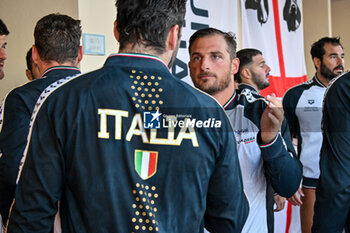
[[128, 147], [57, 52]]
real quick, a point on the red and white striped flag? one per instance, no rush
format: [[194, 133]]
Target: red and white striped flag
[[275, 28]]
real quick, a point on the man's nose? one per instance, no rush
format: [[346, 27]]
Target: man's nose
[[205, 64], [3, 55]]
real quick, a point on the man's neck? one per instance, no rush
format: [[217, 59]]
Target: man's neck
[[43, 66], [223, 96], [325, 81], [131, 48]]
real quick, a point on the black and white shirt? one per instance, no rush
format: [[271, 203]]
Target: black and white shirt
[[303, 110], [274, 162]]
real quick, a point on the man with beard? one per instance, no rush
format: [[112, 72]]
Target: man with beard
[[303, 110], [256, 121], [98, 144], [254, 74], [3, 42]]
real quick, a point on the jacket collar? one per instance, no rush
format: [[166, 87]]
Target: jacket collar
[[56, 70]]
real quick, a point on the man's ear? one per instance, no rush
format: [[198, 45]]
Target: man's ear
[[317, 62], [115, 30], [29, 75], [245, 73], [80, 54], [235, 65], [35, 54], [173, 37]]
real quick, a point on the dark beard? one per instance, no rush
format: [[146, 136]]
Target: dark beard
[[260, 84], [220, 86], [328, 73]]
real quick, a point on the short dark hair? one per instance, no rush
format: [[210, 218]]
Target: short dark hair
[[29, 59], [3, 29], [57, 38], [317, 48], [245, 57], [228, 36], [148, 22]]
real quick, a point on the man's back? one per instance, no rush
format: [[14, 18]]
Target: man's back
[[15, 115], [332, 193], [117, 176]]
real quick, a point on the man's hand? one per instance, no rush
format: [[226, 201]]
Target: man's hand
[[271, 119], [280, 202], [295, 199]]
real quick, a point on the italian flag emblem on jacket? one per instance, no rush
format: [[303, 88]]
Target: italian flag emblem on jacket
[[146, 163]]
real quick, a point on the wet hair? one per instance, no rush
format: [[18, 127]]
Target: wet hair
[[229, 38], [3, 29], [148, 22], [57, 38], [245, 58], [317, 48]]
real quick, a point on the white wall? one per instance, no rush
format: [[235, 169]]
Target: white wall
[[97, 17], [317, 24], [340, 18], [20, 17]]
